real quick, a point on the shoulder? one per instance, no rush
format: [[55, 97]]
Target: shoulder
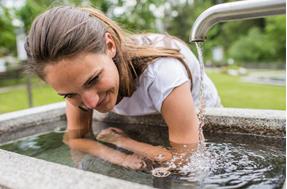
[[161, 77], [165, 66], [163, 73]]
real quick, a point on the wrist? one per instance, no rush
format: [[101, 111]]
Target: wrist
[[122, 141], [117, 158], [122, 160]]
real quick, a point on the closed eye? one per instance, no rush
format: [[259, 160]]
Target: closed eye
[[94, 80], [69, 95]]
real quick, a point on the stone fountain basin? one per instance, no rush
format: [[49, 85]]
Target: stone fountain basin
[[18, 171]]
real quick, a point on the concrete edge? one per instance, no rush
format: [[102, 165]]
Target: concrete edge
[[31, 121], [18, 171], [218, 120]]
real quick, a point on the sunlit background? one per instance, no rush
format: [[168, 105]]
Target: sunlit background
[[245, 59]]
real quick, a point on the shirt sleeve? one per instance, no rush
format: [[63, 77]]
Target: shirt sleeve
[[168, 74]]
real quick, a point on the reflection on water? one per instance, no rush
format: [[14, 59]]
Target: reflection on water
[[227, 162]]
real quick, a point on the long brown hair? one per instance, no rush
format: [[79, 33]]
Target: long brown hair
[[66, 31]]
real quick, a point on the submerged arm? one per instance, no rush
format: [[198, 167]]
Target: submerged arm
[[79, 126], [179, 113]]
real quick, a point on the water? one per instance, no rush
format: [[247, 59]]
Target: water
[[201, 113], [230, 161]]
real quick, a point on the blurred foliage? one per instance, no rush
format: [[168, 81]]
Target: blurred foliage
[[267, 44], [245, 41], [255, 41], [7, 37], [138, 17]]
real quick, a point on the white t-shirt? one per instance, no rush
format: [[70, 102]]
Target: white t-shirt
[[161, 77]]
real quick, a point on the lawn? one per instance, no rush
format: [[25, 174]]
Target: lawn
[[17, 99], [233, 92], [236, 93]]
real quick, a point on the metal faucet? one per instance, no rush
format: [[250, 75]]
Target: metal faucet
[[239, 10]]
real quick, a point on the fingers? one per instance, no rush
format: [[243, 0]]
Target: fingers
[[111, 130], [116, 129], [140, 161], [110, 134], [164, 155], [134, 162]]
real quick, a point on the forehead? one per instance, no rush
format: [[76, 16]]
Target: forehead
[[74, 70]]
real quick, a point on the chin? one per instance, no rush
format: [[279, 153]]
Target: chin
[[103, 111]]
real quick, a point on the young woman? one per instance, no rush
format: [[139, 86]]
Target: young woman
[[90, 61]]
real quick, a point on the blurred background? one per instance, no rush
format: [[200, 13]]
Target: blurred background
[[245, 59]]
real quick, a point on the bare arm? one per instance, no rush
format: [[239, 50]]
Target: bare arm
[[154, 153], [79, 125], [179, 113]]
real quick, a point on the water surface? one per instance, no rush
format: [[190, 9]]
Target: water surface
[[230, 161]]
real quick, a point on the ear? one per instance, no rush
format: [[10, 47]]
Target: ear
[[111, 46]]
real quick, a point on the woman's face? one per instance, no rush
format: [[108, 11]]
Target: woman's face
[[88, 80]]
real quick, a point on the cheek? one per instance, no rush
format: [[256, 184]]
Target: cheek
[[113, 72], [111, 79], [116, 78], [108, 84]]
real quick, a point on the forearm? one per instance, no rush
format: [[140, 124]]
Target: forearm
[[157, 153], [154, 153], [97, 149]]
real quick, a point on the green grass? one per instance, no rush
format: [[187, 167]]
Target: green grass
[[233, 92], [236, 93], [17, 99]]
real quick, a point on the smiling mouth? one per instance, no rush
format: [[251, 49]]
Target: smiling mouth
[[84, 108]]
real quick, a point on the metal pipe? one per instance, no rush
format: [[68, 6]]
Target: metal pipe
[[240, 10]]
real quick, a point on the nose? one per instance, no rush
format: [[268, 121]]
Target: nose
[[90, 99]]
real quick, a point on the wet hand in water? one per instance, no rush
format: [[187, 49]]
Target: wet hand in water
[[117, 137], [158, 154], [134, 161], [110, 135]]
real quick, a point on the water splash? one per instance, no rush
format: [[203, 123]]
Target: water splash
[[192, 167], [234, 161]]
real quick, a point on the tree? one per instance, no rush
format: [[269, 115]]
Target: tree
[[267, 44], [7, 37]]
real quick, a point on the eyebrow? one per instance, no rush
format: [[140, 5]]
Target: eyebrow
[[86, 83]]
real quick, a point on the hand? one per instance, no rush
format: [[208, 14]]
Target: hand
[[158, 154], [110, 135], [133, 162]]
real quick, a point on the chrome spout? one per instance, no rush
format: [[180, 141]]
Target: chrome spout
[[239, 10]]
